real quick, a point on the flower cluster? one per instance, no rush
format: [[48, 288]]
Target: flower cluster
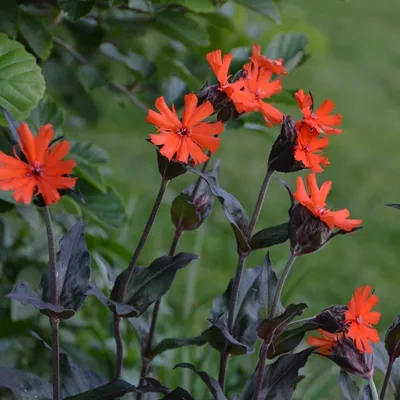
[[355, 336]]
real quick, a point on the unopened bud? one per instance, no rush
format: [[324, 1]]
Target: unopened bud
[[332, 319]]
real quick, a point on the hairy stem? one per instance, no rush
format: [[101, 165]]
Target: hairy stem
[[119, 346], [387, 379], [223, 364], [374, 392], [54, 321], [261, 367], [281, 283]]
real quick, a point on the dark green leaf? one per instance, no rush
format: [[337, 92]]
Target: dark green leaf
[[270, 329], [7, 202], [123, 310], [233, 210], [169, 169], [178, 394], [47, 112], [349, 387], [36, 34], [73, 270], [393, 205], [289, 46], [212, 385], [12, 125], [148, 285], [24, 385], [76, 9], [381, 359], [392, 339], [175, 343], [184, 212], [142, 5], [264, 7], [257, 289], [270, 236], [200, 6], [9, 17], [173, 89], [106, 208], [112, 390], [88, 152], [90, 78], [280, 378], [291, 338], [25, 295], [22, 84], [142, 68], [219, 21], [177, 25]]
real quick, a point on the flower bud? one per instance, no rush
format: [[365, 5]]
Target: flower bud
[[307, 232], [346, 355], [332, 319], [281, 157], [211, 93]]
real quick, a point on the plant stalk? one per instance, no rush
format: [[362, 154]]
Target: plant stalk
[[261, 368], [387, 379], [54, 320], [374, 392], [224, 358], [118, 345]]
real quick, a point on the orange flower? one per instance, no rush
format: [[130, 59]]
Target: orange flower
[[43, 171], [326, 343], [258, 86], [319, 120], [316, 204], [181, 139], [221, 68], [308, 148], [276, 66], [361, 318]]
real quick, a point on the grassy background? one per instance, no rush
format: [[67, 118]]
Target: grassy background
[[358, 68]]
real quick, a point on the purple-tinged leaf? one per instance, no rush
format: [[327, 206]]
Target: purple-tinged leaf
[[392, 339], [270, 236], [349, 387], [175, 343]]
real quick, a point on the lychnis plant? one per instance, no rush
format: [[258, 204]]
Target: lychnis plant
[[38, 168]]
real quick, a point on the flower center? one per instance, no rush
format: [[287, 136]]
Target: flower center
[[313, 116], [320, 210], [307, 148], [36, 169], [258, 93], [184, 131], [359, 319]]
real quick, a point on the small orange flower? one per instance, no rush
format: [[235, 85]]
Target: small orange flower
[[316, 204], [308, 149], [361, 318], [319, 120], [181, 139], [258, 86], [43, 172], [276, 66], [221, 68], [326, 343]]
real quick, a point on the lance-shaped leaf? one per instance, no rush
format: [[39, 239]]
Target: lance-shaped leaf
[[25, 385], [175, 343], [233, 210], [123, 310], [169, 169], [393, 205], [178, 394], [280, 378], [118, 388], [12, 124], [148, 285], [368, 393], [349, 387], [392, 339], [291, 338], [255, 295], [73, 270], [270, 236], [270, 329], [212, 384], [381, 359], [25, 295]]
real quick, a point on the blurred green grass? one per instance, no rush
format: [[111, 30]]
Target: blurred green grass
[[358, 68]]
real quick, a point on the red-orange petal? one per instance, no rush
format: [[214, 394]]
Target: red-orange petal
[[27, 142], [42, 142]]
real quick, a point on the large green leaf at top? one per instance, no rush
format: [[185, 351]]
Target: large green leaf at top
[[264, 7], [76, 9], [21, 81], [9, 14]]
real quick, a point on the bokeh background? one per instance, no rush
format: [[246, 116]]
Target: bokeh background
[[355, 60]]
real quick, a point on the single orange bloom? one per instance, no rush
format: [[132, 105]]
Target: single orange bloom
[[319, 120], [326, 342], [258, 86], [316, 204], [276, 66], [308, 149], [181, 139], [361, 318], [43, 171], [221, 68], [303, 100]]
